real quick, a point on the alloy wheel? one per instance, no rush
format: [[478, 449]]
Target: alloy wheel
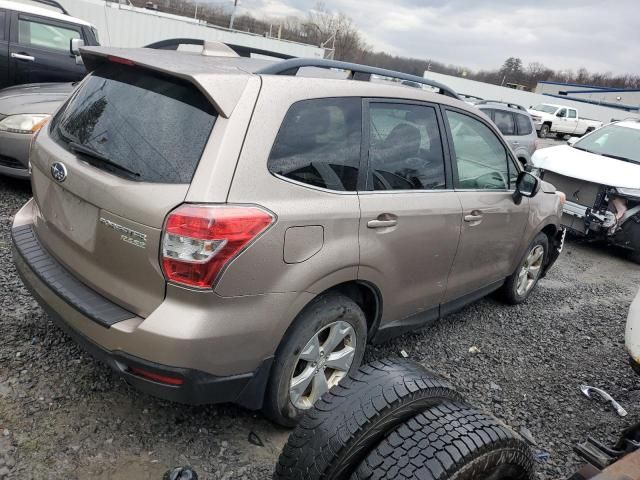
[[322, 363], [530, 270]]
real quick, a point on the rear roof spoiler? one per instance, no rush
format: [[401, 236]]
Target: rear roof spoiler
[[241, 50], [356, 72]]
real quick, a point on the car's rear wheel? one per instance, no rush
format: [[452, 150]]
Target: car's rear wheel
[[520, 284], [544, 131], [325, 344]]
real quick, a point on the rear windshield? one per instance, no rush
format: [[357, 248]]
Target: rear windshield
[[136, 125]]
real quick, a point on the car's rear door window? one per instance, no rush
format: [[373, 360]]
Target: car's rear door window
[[319, 143], [137, 124], [524, 124], [405, 147], [504, 121]]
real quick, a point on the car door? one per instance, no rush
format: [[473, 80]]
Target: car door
[[4, 49], [560, 125], [572, 120], [40, 50], [484, 175], [410, 215]]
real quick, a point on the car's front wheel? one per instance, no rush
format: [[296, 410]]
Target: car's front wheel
[[520, 284], [325, 344]]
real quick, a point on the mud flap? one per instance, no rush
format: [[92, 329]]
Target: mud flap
[[557, 245]]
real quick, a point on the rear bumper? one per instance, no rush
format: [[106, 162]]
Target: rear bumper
[[196, 387], [211, 354]]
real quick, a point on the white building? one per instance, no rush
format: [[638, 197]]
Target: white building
[[121, 25], [526, 99]]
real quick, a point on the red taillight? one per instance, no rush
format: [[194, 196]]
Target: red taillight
[[200, 240], [156, 377], [123, 61]]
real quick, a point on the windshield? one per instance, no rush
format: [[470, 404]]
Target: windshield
[[545, 108], [135, 124], [613, 141]]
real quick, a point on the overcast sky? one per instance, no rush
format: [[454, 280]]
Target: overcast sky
[[599, 35]]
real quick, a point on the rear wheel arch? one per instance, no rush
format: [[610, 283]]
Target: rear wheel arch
[[367, 296]]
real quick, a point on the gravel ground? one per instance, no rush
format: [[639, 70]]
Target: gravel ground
[[62, 415]]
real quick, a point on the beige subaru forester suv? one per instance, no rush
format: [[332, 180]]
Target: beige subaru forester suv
[[226, 229]]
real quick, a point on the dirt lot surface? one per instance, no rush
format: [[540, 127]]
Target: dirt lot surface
[[63, 415]]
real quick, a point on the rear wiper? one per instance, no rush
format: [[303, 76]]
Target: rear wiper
[[89, 152]]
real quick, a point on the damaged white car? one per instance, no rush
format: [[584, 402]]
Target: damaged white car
[[632, 334], [600, 175]]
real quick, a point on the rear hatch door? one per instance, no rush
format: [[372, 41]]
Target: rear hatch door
[[115, 160]]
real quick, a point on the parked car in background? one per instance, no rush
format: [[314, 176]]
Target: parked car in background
[[549, 118], [24, 109], [214, 230], [470, 99], [632, 334], [515, 123], [600, 174], [38, 44]]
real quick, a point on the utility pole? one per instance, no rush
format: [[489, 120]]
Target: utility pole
[[233, 14]]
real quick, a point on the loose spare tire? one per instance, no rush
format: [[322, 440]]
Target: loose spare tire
[[348, 422], [449, 441]]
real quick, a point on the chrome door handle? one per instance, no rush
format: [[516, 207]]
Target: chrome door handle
[[381, 223], [473, 218], [20, 56]]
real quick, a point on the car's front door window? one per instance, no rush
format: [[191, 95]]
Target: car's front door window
[[481, 159], [44, 35]]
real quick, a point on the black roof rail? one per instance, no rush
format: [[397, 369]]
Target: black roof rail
[[508, 104], [357, 72], [52, 3], [174, 43]]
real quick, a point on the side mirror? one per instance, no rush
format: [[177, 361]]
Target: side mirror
[[572, 140], [527, 185], [75, 45]]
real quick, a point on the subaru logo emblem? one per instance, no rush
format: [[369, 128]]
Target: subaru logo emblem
[[59, 172]]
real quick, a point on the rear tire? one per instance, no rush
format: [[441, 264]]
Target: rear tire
[[449, 441], [315, 321], [348, 422], [544, 131], [512, 291]]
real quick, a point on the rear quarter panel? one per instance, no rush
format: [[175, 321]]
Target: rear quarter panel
[[261, 268]]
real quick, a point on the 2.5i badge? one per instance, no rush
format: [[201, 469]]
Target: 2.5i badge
[[127, 234]]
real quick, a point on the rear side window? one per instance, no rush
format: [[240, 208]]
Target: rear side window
[[2, 20], [524, 124], [38, 34], [405, 151], [319, 143], [137, 125], [572, 114], [504, 121]]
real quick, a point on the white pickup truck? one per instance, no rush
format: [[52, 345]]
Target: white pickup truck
[[549, 118]]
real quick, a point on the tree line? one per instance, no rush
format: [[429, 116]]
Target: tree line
[[336, 32]]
